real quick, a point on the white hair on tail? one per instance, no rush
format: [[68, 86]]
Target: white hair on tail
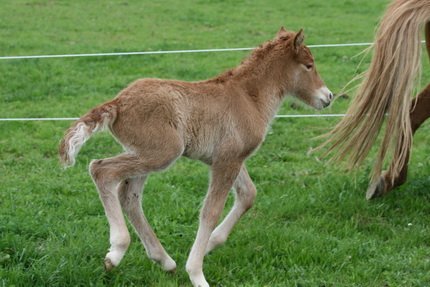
[[79, 135]]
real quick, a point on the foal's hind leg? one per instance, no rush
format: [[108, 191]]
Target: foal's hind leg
[[245, 194], [130, 195], [107, 175], [106, 179], [420, 111]]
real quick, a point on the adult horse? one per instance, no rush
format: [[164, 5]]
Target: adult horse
[[384, 93], [220, 121]]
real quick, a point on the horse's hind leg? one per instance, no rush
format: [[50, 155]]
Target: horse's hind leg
[[130, 196], [245, 194], [420, 112]]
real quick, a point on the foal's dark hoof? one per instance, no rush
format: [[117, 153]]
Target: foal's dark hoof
[[108, 265], [376, 189]]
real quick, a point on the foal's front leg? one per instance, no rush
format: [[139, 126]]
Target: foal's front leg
[[245, 194], [223, 176]]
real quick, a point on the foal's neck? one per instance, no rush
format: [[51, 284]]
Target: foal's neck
[[264, 85], [263, 78]]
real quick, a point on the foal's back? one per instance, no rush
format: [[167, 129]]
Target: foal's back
[[200, 116]]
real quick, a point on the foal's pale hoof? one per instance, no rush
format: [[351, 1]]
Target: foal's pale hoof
[[108, 265], [196, 275], [376, 189], [169, 265], [199, 281]]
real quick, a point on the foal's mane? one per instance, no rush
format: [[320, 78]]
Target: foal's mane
[[259, 54]]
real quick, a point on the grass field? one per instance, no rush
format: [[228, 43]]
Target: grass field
[[310, 226]]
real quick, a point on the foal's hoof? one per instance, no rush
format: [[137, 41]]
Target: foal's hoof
[[376, 189], [171, 271], [108, 265], [169, 265]]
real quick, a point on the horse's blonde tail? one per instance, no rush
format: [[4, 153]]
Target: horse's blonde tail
[[95, 120], [386, 88]]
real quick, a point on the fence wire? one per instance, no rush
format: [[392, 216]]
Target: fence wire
[[164, 52], [24, 119]]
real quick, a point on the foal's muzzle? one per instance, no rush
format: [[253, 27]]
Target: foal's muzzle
[[323, 98]]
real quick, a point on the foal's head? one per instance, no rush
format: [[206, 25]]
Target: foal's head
[[299, 69]]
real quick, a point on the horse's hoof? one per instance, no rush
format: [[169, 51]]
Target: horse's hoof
[[376, 189], [108, 265]]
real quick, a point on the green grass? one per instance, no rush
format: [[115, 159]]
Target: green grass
[[310, 226]]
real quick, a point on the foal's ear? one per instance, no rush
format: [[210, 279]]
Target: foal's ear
[[298, 40], [281, 32]]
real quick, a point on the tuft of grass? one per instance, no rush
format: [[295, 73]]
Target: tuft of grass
[[310, 225]]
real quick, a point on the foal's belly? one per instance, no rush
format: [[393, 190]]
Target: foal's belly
[[200, 151]]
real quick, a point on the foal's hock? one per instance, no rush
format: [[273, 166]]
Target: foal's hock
[[220, 121]]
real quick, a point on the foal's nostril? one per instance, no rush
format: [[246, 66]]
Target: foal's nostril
[[330, 96]]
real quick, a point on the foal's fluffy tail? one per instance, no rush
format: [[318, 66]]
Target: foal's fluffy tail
[[387, 87], [97, 119]]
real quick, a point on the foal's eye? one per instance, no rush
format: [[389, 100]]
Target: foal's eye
[[309, 66]]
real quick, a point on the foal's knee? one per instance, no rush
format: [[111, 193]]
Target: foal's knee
[[249, 197], [245, 193], [246, 196]]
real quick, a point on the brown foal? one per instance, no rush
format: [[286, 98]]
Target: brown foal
[[220, 121]]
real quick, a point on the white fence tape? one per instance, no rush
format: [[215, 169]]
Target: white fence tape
[[165, 52], [74, 119], [36, 119]]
